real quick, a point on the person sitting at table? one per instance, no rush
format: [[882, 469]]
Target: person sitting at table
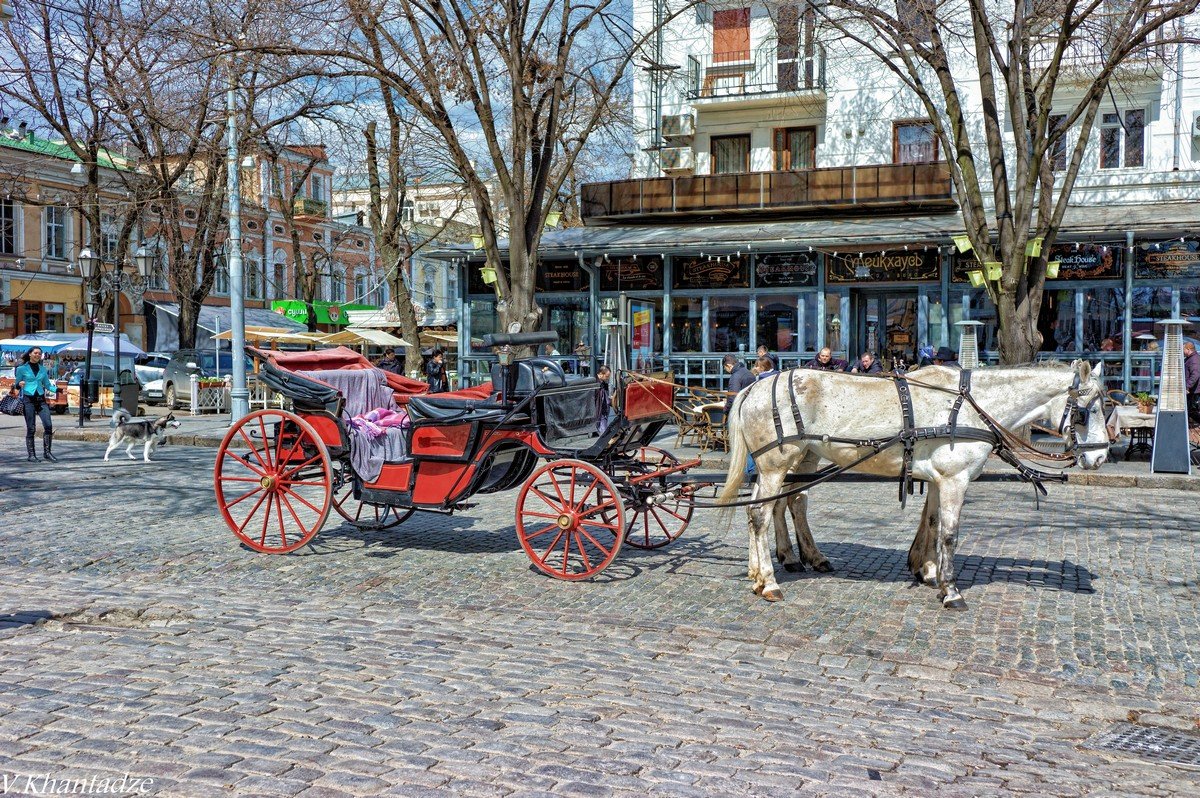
[[867, 364], [945, 356], [1191, 381], [765, 368], [825, 361], [764, 352]]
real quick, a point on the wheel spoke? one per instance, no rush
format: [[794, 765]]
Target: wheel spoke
[[253, 449], [241, 479], [542, 531], [262, 426], [553, 546], [549, 502], [540, 515], [244, 496], [262, 539], [595, 542], [583, 523], [587, 564], [587, 493], [241, 529], [287, 475], [279, 515], [598, 507], [666, 509], [292, 512], [561, 497], [573, 502], [566, 557], [299, 498]]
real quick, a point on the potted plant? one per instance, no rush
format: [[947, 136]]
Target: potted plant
[[1145, 402]]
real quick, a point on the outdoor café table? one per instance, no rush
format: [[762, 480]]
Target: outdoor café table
[[1139, 425]]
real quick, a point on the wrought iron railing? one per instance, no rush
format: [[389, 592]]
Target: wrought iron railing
[[764, 70]]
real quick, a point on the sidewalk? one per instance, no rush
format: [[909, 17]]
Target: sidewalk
[[209, 429]]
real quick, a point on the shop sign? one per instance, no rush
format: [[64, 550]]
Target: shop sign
[[1167, 259], [880, 267], [631, 274], [723, 271], [785, 269], [560, 276], [1087, 262]]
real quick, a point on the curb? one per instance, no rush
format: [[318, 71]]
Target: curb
[[102, 436]]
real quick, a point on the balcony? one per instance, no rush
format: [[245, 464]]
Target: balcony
[[749, 78], [1089, 49], [848, 188], [308, 208]]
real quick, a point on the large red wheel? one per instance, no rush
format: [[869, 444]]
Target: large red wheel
[[363, 515], [570, 520], [273, 481], [657, 518]]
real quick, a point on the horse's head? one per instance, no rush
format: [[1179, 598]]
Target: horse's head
[[1086, 394]]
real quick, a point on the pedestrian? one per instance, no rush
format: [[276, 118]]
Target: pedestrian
[[549, 350], [389, 362], [825, 361], [867, 364], [435, 371], [603, 398], [766, 368], [36, 380], [764, 352], [1191, 380], [945, 356], [739, 378]]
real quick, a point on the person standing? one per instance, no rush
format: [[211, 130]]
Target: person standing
[[36, 381], [603, 399], [945, 356], [1191, 380], [739, 378], [389, 362], [435, 371]]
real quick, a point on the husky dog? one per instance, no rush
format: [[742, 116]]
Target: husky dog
[[151, 434]]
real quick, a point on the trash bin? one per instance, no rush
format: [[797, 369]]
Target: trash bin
[[129, 389], [93, 391]]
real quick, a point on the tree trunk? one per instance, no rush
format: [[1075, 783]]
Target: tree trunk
[[1018, 335]]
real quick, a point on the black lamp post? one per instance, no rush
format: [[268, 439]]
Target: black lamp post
[[112, 282], [85, 384]]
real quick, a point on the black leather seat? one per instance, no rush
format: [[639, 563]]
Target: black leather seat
[[447, 409]]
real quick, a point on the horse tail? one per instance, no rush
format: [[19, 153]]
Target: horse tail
[[737, 454]]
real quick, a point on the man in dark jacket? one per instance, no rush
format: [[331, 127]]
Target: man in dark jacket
[[825, 361], [1191, 381], [764, 352], [435, 371], [867, 364], [945, 356], [389, 362], [739, 378]]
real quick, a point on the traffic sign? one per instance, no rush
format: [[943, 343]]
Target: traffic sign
[[105, 327]]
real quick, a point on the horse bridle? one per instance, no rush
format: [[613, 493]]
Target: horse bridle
[[1066, 426]]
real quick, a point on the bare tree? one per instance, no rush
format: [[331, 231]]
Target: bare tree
[[1041, 69]]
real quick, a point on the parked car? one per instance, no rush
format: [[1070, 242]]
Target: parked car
[[177, 376]]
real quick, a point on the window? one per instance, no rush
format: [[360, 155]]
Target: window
[[795, 148], [914, 142], [253, 277], [731, 35], [361, 287], [406, 212], [55, 220], [316, 187], [687, 324], [730, 154], [8, 227], [1058, 146], [109, 237], [1126, 139], [429, 210], [337, 285], [221, 279], [279, 287]]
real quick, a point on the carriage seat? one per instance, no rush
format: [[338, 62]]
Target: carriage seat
[[532, 374], [452, 409]]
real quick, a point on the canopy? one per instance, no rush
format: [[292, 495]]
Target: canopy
[[24, 344], [102, 344], [277, 335], [70, 343], [430, 338], [362, 335]]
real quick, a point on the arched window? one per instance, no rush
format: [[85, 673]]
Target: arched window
[[253, 273], [279, 283]]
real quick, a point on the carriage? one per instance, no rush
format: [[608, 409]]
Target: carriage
[[375, 448]]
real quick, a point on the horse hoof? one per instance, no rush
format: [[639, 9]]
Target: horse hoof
[[824, 566], [955, 604], [773, 595], [929, 581], [793, 567], [758, 590]]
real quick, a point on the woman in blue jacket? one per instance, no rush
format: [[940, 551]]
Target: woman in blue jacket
[[36, 381]]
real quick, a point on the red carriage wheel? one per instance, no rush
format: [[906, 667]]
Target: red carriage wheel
[[656, 520], [363, 515], [570, 519], [274, 481]]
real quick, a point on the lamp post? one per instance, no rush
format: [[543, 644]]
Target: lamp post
[[114, 282], [91, 306], [239, 397]]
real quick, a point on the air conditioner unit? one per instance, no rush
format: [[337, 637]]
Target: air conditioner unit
[[78, 320], [678, 126], [678, 159], [1196, 125]]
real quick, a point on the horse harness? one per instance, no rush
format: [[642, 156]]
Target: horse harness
[[1003, 442]]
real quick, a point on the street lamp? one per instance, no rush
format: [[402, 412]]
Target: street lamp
[[91, 307], [113, 282]]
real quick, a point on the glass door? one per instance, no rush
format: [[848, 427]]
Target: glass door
[[884, 322]]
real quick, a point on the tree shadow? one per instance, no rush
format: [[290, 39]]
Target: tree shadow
[[14, 620]]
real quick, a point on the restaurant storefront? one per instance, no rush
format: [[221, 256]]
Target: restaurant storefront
[[686, 309]]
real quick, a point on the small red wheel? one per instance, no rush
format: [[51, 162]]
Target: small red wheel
[[657, 519], [570, 520], [276, 491], [363, 515]]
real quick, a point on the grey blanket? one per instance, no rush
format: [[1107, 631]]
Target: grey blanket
[[366, 390]]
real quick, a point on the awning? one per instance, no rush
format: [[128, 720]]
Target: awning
[[276, 335], [361, 335], [213, 319], [431, 338]]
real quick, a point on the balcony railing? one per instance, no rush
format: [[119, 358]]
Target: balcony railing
[[764, 71], [895, 185], [308, 207], [1091, 47]]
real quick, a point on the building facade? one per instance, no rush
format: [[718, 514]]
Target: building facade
[[790, 192]]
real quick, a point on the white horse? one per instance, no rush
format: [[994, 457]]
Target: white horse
[[847, 406]]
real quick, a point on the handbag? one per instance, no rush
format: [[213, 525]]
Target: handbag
[[13, 405]]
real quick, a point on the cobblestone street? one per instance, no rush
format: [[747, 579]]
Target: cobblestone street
[[138, 638]]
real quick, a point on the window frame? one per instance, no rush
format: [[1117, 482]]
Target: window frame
[[712, 153], [10, 226], [780, 135], [54, 217], [1120, 129], [897, 124]]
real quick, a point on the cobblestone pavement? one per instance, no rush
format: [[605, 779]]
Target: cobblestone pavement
[[137, 638]]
